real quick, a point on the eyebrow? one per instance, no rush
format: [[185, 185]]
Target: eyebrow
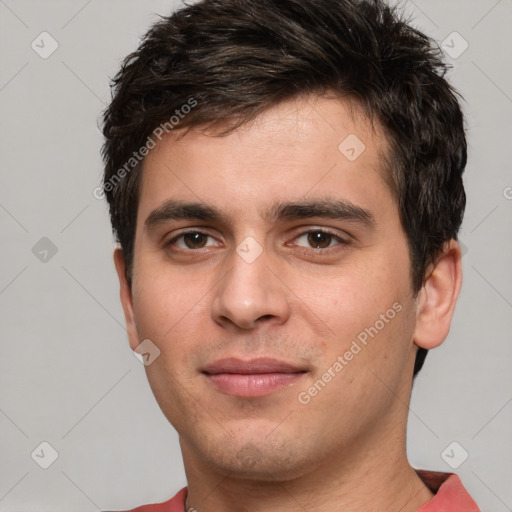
[[325, 208]]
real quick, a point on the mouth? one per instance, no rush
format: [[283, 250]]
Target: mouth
[[253, 378]]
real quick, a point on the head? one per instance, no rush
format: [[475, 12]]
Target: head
[[247, 116]]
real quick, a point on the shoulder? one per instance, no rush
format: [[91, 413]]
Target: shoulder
[[449, 493], [175, 504]]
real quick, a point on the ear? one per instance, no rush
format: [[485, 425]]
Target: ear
[[437, 298], [126, 298]]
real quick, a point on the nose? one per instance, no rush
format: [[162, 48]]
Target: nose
[[251, 293]]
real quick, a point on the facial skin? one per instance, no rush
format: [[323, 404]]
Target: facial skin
[[345, 448]]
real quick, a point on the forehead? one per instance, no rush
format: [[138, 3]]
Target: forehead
[[300, 147]]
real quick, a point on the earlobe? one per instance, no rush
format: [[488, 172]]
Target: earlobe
[[438, 297], [126, 298]]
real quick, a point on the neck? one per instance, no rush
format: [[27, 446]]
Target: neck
[[368, 476]]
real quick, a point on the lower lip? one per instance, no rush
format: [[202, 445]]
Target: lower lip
[[252, 385]]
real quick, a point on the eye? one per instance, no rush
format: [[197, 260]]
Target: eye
[[191, 240], [319, 239]]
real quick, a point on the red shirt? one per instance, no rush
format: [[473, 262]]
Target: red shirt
[[450, 496]]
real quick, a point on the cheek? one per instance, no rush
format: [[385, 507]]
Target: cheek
[[350, 298], [166, 306], [368, 311]]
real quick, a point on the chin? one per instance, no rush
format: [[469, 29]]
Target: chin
[[258, 459]]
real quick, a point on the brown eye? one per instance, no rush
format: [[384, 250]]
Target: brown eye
[[195, 240], [192, 240], [319, 239]]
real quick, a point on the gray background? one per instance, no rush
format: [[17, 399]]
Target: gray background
[[67, 375]]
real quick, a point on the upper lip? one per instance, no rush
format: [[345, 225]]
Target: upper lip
[[251, 366]]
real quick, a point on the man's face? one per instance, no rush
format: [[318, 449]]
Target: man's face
[[275, 275]]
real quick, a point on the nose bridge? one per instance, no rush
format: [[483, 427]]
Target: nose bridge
[[250, 291]]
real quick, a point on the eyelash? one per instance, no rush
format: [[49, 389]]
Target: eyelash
[[341, 241]]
